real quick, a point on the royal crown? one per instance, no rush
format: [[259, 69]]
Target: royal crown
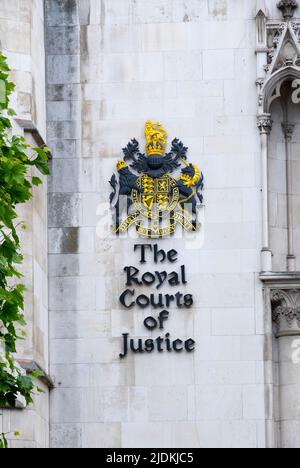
[[156, 137]]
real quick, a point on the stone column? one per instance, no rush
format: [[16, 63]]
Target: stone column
[[288, 130], [265, 125], [286, 316]]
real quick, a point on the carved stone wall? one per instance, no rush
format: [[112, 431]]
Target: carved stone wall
[[286, 318]]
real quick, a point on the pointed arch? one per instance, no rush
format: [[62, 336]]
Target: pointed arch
[[271, 88]]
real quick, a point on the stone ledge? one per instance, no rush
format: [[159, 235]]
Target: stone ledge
[[281, 279], [32, 366], [28, 125]]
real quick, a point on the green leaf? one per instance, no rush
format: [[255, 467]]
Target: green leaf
[[16, 186], [41, 162], [36, 181], [38, 373], [2, 92]]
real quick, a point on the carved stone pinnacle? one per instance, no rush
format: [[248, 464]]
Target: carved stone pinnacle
[[287, 7]]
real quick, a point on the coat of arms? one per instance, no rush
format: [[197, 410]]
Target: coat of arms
[[154, 201]]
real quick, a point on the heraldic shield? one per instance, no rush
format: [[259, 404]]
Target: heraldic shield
[[147, 196]]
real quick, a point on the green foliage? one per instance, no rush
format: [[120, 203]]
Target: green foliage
[[16, 185], [3, 441]]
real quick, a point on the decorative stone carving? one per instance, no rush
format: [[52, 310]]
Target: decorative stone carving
[[286, 311], [274, 37], [283, 42], [274, 33], [264, 123], [288, 8], [296, 30], [288, 130], [259, 84], [278, 47]]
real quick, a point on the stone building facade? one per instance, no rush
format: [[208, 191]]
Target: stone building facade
[[223, 76]]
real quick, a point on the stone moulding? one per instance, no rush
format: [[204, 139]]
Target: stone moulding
[[271, 89]]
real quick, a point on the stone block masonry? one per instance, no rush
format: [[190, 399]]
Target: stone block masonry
[[22, 41], [111, 65], [89, 73]]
